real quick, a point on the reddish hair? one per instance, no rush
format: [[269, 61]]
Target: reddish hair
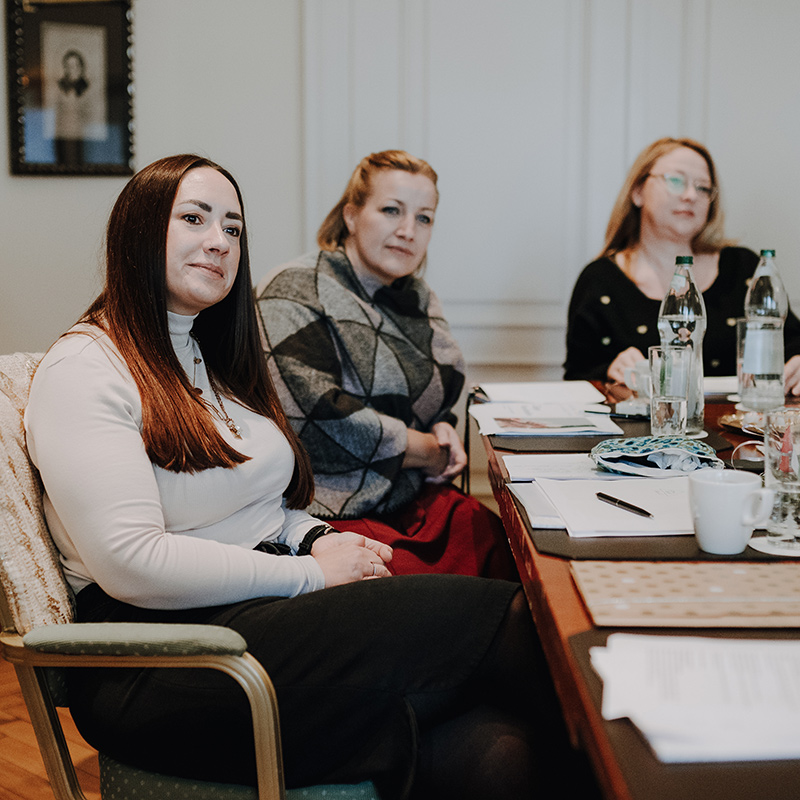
[[132, 310]]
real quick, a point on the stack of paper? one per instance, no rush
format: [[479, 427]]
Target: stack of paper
[[559, 466], [540, 419], [540, 511], [697, 699], [546, 408], [570, 392]]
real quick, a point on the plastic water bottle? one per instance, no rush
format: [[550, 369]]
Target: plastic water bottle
[[682, 321], [765, 307]]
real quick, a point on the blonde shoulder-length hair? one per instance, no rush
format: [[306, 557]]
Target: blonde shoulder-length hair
[[623, 228], [333, 231]]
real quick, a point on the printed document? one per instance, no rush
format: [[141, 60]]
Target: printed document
[[700, 699], [540, 419]]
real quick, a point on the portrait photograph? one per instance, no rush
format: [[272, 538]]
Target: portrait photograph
[[70, 105]]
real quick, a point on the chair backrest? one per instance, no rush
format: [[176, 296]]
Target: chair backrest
[[34, 590]]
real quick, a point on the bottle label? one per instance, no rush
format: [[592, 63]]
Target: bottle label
[[763, 351]]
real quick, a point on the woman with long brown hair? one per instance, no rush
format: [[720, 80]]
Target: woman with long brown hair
[[174, 491], [669, 206]]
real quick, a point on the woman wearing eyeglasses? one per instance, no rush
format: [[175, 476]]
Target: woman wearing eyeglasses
[[669, 206]]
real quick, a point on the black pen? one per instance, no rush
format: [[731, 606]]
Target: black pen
[[615, 501]]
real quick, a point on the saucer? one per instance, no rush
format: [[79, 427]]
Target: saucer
[[760, 543]]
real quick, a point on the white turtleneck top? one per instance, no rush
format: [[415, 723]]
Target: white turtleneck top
[[150, 537]]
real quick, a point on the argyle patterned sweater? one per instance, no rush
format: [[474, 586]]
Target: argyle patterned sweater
[[355, 364]]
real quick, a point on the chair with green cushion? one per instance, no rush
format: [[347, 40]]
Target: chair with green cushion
[[40, 638]]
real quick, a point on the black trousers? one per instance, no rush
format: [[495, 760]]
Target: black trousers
[[355, 668]]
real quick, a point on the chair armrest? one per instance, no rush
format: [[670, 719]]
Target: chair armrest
[[135, 639], [137, 644]]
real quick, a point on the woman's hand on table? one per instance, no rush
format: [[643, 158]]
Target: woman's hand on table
[[627, 358], [791, 376], [347, 557]]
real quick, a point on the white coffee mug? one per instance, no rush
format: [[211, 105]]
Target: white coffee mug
[[726, 506]]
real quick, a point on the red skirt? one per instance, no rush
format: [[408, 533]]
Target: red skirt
[[442, 530]]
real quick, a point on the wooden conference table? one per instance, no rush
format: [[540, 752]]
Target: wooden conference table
[[625, 767]]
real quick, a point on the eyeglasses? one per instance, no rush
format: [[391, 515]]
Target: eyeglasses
[[677, 183]]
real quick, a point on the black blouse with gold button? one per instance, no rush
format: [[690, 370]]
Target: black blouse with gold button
[[608, 313]]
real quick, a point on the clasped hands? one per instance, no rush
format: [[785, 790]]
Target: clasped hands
[[347, 557], [439, 454]]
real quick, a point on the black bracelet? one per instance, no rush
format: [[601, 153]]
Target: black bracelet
[[308, 540]]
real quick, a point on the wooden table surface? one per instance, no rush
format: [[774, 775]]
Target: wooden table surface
[[559, 613]]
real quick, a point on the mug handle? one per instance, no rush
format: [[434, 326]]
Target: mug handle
[[761, 501]]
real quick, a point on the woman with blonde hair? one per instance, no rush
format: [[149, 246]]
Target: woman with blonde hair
[[369, 373], [668, 206]]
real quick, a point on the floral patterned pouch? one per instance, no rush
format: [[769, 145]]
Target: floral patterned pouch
[[655, 456]]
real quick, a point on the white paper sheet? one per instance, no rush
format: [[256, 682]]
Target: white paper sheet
[[667, 499], [697, 699], [559, 466], [576, 392]]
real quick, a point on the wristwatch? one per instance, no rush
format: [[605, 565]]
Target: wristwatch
[[305, 546]]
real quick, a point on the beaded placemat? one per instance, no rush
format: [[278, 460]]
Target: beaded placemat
[[690, 594]]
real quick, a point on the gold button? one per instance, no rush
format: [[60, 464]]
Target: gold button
[[605, 299], [642, 329], [606, 340]]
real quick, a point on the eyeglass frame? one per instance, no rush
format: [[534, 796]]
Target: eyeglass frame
[[701, 190]]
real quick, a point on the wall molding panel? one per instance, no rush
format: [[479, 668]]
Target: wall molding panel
[[531, 111]]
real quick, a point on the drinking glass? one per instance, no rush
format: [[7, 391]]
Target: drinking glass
[[782, 473], [670, 368]]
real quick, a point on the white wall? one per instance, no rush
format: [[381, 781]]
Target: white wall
[[530, 110], [218, 77]]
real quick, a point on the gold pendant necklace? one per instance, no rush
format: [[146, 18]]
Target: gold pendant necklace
[[220, 412]]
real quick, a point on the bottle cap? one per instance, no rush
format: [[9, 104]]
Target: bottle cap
[[684, 260], [768, 253]]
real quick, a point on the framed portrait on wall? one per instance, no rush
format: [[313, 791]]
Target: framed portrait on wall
[[70, 95]]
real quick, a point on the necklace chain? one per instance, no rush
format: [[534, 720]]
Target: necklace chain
[[220, 412]]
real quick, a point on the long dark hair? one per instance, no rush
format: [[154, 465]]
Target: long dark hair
[[132, 310]]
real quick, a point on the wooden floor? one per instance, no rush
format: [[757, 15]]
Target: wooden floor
[[22, 774]]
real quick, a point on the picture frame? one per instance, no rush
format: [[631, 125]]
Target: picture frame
[[70, 87]]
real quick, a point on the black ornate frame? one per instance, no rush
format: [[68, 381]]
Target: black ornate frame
[[67, 125]]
